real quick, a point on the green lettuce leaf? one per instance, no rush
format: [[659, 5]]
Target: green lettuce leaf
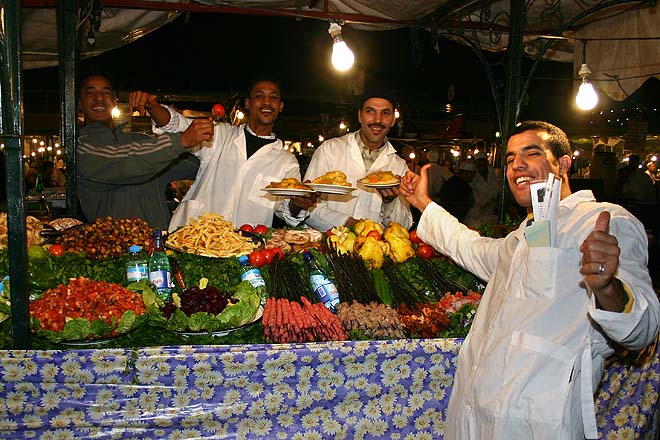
[[126, 322], [244, 310], [77, 328]]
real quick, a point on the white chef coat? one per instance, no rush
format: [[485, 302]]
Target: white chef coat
[[228, 183], [534, 356], [344, 154]]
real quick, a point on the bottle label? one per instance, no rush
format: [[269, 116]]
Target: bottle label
[[325, 290], [161, 279], [137, 272], [254, 277]]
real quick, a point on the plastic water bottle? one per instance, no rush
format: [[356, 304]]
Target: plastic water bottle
[[160, 272], [323, 287], [137, 265], [253, 276]]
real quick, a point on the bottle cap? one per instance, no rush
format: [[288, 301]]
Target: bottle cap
[[135, 248], [157, 233], [242, 258]]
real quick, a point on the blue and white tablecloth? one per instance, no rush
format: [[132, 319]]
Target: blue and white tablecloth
[[354, 390]]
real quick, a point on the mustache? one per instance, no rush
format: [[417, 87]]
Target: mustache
[[377, 124]]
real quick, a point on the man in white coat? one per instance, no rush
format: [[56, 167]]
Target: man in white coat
[[550, 315], [239, 162], [357, 154]]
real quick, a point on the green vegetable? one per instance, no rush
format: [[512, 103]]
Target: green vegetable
[[382, 287], [241, 312]]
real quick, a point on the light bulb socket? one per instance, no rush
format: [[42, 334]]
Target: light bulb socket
[[584, 72], [335, 32]]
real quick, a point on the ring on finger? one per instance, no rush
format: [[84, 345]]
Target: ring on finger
[[601, 268]]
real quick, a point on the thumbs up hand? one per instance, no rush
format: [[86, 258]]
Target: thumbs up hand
[[600, 262]]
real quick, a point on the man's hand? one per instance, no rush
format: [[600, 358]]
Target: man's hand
[[389, 194], [200, 130], [600, 262], [297, 203], [415, 188], [141, 102]]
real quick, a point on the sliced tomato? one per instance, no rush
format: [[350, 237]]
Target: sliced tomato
[[56, 250]]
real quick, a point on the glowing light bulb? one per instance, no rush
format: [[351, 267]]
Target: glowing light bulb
[[240, 114], [342, 56], [397, 115], [115, 112], [342, 125], [586, 98]]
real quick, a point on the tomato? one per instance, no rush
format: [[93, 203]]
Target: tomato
[[247, 228], [329, 232], [278, 253], [425, 251], [269, 255], [261, 229], [218, 111], [257, 258], [414, 238], [56, 250], [375, 234]]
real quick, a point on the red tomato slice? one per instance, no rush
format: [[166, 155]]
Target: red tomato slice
[[56, 250]]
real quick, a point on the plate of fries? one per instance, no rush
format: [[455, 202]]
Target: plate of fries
[[210, 235]]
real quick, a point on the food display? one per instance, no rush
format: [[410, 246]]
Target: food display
[[210, 235], [332, 178], [294, 239], [289, 183], [87, 309], [107, 237], [33, 227]]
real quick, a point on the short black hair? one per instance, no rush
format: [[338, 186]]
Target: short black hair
[[95, 72], [263, 77], [557, 141]]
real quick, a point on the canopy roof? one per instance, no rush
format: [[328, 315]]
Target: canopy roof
[[622, 49]]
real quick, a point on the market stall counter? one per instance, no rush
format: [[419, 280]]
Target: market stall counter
[[363, 389]]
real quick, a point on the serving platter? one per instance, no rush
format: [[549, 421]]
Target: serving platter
[[288, 191], [380, 185], [331, 189], [255, 238], [257, 317]]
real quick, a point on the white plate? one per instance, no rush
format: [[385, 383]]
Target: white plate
[[257, 317], [380, 185], [331, 189], [288, 191]]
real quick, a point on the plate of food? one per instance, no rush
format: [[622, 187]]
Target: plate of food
[[209, 310], [380, 180], [288, 187], [332, 182], [210, 235], [257, 317]]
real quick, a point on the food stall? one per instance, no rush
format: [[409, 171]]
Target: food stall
[[155, 381]]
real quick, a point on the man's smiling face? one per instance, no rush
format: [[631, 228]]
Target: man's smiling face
[[528, 160], [265, 104], [96, 99]]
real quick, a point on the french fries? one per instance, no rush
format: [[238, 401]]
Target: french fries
[[212, 236]]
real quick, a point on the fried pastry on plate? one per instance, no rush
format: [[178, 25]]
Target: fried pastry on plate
[[332, 178], [289, 183]]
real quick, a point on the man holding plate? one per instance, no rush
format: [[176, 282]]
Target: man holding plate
[[358, 154]]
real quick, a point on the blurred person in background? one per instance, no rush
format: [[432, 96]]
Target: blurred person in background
[[53, 177], [486, 185], [456, 195]]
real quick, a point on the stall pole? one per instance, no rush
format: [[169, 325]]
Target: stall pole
[[68, 72], [12, 134]]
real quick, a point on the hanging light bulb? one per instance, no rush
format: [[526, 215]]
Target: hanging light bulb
[[342, 57], [586, 98], [115, 112]]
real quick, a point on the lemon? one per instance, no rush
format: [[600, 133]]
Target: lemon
[[36, 252]]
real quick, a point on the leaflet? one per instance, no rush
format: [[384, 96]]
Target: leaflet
[[545, 206]]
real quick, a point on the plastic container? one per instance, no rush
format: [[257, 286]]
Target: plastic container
[[324, 289], [252, 274], [137, 265], [160, 271]]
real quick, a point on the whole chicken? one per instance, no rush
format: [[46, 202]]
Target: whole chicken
[[400, 245]]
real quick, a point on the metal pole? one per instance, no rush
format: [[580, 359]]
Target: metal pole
[[12, 132], [513, 81], [68, 73]]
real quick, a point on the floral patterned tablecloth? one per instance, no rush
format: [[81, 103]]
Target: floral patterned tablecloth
[[355, 390]]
